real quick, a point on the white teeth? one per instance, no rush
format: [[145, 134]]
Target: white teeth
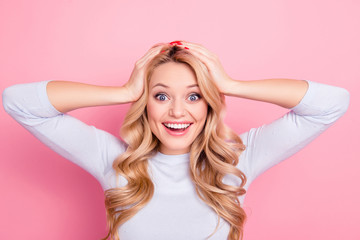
[[176, 125]]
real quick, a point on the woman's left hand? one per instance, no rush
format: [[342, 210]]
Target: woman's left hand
[[213, 64]]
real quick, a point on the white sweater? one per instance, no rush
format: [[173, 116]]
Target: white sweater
[[175, 211]]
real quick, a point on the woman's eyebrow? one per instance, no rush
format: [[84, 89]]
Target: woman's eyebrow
[[165, 86], [193, 85], [160, 85]]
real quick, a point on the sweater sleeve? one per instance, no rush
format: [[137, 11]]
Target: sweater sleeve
[[272, 143], [90, 148]]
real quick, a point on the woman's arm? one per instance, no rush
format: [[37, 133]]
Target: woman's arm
[[314, 108], [271, 143], [39, 107], [90, 148]]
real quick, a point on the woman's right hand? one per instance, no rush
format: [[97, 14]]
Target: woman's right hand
[[135, 85]]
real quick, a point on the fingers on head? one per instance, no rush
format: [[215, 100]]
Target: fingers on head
[[197, 49], [180, 43]]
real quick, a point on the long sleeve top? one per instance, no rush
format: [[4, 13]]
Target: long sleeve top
[[175, 211]]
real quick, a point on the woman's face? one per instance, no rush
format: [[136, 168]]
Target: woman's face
[[176, 110]]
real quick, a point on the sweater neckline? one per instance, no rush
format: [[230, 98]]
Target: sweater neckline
[[171, 159]]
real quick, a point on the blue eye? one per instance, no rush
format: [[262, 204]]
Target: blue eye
[[161, 97], [194, 97]]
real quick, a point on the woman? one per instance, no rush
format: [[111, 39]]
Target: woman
[[180, 172]]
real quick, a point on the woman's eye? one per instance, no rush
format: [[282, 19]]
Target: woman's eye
[[161, 97], [194, 97]]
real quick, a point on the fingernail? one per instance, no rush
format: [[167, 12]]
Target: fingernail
[[176, 42], [187, 48]]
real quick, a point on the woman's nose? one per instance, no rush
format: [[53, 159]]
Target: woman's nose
[[177, 109]]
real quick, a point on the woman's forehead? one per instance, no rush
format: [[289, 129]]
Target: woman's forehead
[[173, 75]]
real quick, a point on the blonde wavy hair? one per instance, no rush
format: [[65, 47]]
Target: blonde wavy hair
[[213, 154]]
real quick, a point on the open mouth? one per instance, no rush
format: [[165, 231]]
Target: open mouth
[[177, 127]]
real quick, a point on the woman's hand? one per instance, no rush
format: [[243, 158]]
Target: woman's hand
[[214, 66], [135, 85]]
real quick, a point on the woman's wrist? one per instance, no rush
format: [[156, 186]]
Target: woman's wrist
[[231, 87], [116, 95], [125, 95]]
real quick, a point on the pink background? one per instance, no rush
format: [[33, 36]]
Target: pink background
[[313, 195]]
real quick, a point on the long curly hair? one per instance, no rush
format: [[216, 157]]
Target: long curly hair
[[213, 155]]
